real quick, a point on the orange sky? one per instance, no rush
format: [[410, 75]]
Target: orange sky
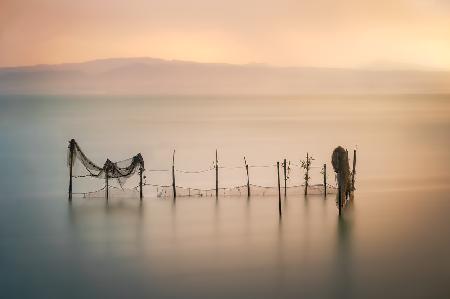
[[345, 33]]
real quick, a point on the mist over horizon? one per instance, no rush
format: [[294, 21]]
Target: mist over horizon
[[158, 76], [375, 65]]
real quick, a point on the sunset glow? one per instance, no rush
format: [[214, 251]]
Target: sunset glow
[[350, 33]]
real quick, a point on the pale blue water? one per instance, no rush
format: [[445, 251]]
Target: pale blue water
[[393, 242]]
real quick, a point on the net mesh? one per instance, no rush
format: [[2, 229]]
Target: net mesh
[[234, 181], [295, 177], [255, 190], [115, 172]]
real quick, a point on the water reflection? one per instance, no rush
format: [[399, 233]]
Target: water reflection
[[231, 247], [344, 254], [107, 227]]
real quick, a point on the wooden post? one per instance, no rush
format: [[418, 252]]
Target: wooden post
[[71, 151], [173, 176], [107, 186], [325, 179], [285, 177], [248, 178], [217, 177], [307, 174], [279, 188], [339, 198], [354, 170], [140, 183]]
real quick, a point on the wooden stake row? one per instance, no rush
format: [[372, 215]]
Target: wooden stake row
[[216, 166]]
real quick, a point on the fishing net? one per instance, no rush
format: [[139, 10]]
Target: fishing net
[[233, 181], [113, 192], [296, 178], [110, 173], [255, 191]]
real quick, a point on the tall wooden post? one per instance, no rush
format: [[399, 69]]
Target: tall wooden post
[[140, 182], [354, 170], [71, 151], [217, 177], [285, 177], [339, 198], [279, 188], [173, 176], [307, 174], [107, 186], [248, 178], [325, 179]]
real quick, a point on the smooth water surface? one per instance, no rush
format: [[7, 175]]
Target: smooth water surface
[[392, 242]]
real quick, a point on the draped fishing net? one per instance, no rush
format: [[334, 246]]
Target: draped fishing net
[[262, 180], [111, 172]]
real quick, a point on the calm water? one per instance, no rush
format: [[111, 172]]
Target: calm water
[[394, 241]]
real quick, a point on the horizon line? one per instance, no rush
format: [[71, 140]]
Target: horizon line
[[367, 68]]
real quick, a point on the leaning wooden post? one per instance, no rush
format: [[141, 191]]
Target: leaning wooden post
[[173, 176], [248, 178], [71, 151], [325, 179], [279, 188], [354, 170], [307, 174], [217, 177], [285, 177]]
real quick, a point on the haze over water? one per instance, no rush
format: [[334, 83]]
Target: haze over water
[[393, 242]]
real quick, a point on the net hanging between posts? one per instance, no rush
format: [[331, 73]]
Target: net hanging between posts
[[295, 182], [235, 178], [256, 191], [119, 171]]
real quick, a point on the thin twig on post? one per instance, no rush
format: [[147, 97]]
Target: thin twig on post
[[279, 188], [325, 179], [248, 178], [173, 176], [307, 173]]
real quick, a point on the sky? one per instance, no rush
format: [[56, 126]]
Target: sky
[[321, 33]]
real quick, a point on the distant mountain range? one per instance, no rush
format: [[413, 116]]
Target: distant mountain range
[[156, 76]]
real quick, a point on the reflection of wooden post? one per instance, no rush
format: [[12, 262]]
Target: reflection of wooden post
[[307, 174], [285, 178], [71, 151], [140, 182], [173, 176], [279, 188], [354, 170], [248, 178], [217, 177], [325, 179]]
